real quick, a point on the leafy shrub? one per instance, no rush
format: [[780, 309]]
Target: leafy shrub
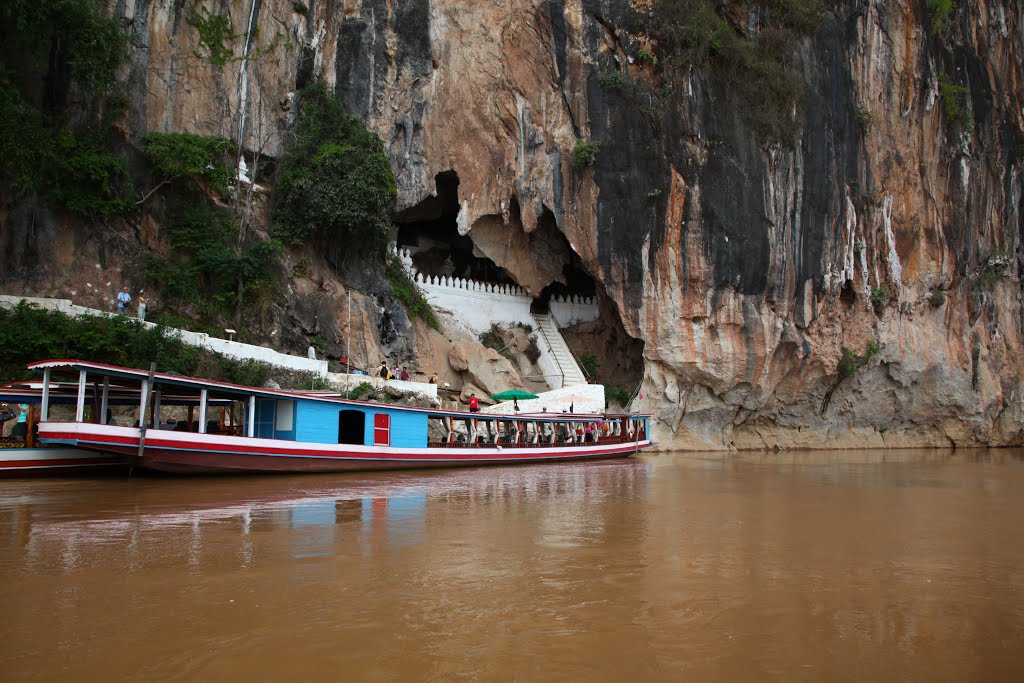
[[610, 80], [954, 103], [215, 34], [616, 394], [51, 46], [336, 182], [851, 363], [249, 372], [940, 15], [494, 338], [584, 153], [28, 333], [186, 156], [76, 170], [762, 73], [865, 119], [532, 351], [207, 268], [880, 297], [363, 389], [993, 271], [937, 298], [406, 291], [300, 8], [589, 364], [645, 57]]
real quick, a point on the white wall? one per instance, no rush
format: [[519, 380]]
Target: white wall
[[479, 304]]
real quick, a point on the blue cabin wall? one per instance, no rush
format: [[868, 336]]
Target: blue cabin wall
[[317, 422], [408, 430]]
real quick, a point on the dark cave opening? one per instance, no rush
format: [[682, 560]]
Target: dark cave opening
[[499, 250], [430, 232]]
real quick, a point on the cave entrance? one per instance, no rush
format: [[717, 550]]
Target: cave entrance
[[429, 231]]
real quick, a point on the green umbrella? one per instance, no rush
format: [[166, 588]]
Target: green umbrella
[[514, 395]]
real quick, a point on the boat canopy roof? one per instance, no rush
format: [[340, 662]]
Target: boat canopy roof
[[226, 389]]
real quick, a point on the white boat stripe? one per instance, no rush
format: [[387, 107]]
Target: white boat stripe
[[43, 454]]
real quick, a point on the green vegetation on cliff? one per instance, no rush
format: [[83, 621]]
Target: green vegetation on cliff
[[29, 334], [208, 269], [410, 296], [190, 158], [55, 52], [760, 70], [336, 183]]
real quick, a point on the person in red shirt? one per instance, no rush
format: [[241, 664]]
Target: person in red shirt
[[474, 405]]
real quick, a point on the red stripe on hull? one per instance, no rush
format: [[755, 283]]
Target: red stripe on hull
[[60, 468], [173, 462], [185, 462]]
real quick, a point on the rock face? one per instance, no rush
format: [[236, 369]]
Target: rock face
[[743, 267]]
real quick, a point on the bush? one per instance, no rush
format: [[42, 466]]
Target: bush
[[584, 153], [954, 104], [617, 394], [494, 338], [610, 80], [363, 389], [207, 269], [532, 351], [940, 15], [992, 272], [865, 119], [49, 47], [410, 296], [336, 183], [189, 157], [880, 297], [589, 364], [29, 334], [762, 73], [851, 363], [937, 298]]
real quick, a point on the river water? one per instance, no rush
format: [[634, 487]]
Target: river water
[[859, 566]]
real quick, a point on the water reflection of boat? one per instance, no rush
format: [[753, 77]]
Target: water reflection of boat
[[281, 431], [62, 511]]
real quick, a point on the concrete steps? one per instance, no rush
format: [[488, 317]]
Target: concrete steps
[[559, 350]]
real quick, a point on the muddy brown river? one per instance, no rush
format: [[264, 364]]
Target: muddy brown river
[[854, 566]]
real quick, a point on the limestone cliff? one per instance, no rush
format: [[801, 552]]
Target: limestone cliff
[[743, 266]]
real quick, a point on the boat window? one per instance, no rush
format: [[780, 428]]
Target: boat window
[[352, 427], [381, 429], [285, 413]]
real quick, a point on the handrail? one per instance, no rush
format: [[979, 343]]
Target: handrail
[[551, 349], [633, 395]]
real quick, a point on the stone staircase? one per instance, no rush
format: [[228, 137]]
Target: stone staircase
[[551, 341]]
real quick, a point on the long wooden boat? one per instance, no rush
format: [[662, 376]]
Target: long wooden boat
[[22, 454], [266, 430]]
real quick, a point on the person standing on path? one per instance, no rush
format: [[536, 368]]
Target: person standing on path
[[474, 404], [142, 307], [123, 299]]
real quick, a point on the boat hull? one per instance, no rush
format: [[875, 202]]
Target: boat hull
[[187, 453], [49, 461]]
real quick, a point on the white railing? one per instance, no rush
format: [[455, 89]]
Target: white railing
[[566, 309]]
